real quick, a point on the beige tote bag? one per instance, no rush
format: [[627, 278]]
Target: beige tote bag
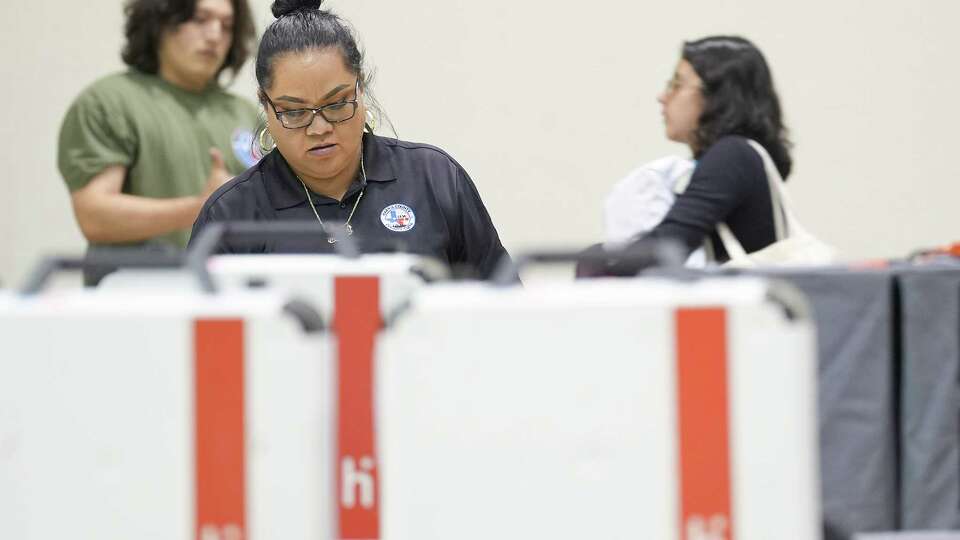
[[795, 246]]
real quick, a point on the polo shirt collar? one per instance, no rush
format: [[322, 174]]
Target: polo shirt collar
[[377, 159], [285, 190]]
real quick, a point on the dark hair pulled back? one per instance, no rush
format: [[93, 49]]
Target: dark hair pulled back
[[739, 96], [301, 25]]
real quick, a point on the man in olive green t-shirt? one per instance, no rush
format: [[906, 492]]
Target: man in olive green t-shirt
[[142, 150]]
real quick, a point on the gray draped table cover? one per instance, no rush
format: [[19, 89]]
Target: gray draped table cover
[[855, 315], [930, 400]]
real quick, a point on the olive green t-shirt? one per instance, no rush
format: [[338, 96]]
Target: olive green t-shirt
[[161, 133]]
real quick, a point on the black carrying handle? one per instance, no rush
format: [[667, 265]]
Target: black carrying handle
[[309, 318], [115, 257], [646, 253], [251, 232], [194, 259]]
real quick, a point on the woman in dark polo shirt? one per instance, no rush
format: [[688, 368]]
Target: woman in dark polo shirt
[[386, 193]]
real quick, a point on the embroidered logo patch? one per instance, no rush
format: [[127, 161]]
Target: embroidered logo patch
[[398, 217], [242, 142]]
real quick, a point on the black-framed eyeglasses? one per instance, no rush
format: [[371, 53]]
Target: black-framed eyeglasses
[[334, 113]]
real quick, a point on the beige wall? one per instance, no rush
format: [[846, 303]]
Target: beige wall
[[546, 105]]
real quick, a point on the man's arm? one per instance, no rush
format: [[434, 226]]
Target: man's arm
[[106, 215]]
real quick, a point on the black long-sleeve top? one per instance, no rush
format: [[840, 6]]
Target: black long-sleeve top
[[728, 185]]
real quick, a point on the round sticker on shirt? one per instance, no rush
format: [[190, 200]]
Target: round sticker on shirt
[[242, 142], [398, 217]]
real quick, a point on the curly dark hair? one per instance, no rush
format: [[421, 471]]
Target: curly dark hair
[[739, 96], [148, 19]]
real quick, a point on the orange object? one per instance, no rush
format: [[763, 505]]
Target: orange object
[[703, 413], [872, 264], [219, 436], [357, 321]]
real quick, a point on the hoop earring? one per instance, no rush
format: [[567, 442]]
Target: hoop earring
[[265, 147], [371, 121]]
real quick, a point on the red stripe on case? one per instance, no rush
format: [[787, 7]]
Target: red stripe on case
[[219, 436], [356, 323], [703, 425]]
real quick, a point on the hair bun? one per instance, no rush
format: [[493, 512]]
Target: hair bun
[[286, 7]]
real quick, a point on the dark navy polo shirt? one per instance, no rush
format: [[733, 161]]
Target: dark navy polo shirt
[[416, 199]]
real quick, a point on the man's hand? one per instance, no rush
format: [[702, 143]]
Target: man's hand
[[219, 175]]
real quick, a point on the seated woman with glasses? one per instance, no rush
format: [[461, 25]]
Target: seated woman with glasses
[[328, 166], [721, 95]]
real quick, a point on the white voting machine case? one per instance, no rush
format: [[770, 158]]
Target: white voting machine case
[[609, 409], [356, 295], [162, 415]]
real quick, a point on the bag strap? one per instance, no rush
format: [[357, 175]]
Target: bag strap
[[779, 197], [730, 243], [785, 222], [774, 181]]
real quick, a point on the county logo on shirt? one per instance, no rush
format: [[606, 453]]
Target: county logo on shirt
[[243, 147], [398, 217]]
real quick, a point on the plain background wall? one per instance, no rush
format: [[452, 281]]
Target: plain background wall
[[548, 104]]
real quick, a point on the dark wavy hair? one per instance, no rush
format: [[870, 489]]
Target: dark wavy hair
[[739, 96], [147, 20]]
